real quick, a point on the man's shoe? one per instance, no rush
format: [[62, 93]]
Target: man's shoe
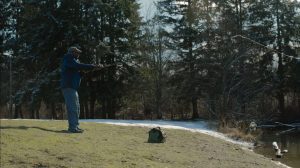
[[75, 131], [79, 129]]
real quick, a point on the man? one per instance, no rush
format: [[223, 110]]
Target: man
[[70, 81]]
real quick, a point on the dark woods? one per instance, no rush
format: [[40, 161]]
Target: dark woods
[[226, 60], [37, 35]]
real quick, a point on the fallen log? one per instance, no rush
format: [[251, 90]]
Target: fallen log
[[279, 124], [293, 125], [288, 128]]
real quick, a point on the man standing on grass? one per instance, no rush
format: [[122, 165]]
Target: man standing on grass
[[70, 81]]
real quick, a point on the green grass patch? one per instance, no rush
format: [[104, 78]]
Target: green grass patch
[[33, 143]]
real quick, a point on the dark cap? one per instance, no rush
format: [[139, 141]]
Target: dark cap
[[74, 49]]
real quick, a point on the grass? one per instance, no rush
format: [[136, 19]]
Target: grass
[[33, 143], [238, 134]]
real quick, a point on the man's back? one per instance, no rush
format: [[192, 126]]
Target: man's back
[[70, 76]]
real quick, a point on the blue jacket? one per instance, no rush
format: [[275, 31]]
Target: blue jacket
[[70, 76]]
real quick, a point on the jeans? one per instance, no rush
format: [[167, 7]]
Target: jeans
[[73, 107]]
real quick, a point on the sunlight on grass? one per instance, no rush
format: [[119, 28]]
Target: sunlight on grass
[[30, 143]]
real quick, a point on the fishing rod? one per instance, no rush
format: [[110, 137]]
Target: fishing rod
[[120, 65], [264, 46], [100, 68]]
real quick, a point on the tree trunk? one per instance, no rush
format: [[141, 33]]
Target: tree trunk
[[223, 111], [82, 111], [21, 113], [37, 114], [195, 108], [16, 111], [280, 98], [92, 108], [111, 111], [32, 114], [104, 108], [280, 72], [53, 112], [172, 113], [298, 103], [159, 78], [86, 109], [181, 112]]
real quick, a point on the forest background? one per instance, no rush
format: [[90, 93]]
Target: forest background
[[228, 60]]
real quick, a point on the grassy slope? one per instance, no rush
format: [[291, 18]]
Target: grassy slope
[[29, 143]]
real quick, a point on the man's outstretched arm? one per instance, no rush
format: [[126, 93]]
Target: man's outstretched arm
[[72, 63]]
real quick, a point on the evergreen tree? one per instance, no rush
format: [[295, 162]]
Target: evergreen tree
[[185, 39]]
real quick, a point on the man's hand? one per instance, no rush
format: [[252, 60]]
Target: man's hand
[[98, 67]]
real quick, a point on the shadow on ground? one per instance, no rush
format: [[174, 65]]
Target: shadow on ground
[[26, 128]]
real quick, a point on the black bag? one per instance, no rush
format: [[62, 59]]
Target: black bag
[[156, 135]]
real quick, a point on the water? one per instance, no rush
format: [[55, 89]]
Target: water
[[290, 141]]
